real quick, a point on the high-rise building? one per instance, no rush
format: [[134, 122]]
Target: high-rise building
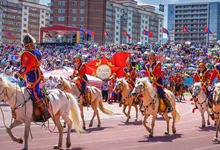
[[1, 12], [20, 15], [112, 16], [195, 16]]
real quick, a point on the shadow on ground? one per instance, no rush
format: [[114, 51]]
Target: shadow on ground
[[163, 138], [123, 123], [209, 128]]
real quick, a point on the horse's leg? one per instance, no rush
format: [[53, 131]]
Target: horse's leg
[[69, 123], [82, 116], [136, 108], [99, 121], [129, 111], [208, 121], [26, 133], [165, 115], [215, 139], [60, 129], [144, 124], [153, 124], [94, 114], [203, 117], [124, 108], [14, 138], [173, 113]]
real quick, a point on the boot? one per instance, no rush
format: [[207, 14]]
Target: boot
[[168, 104], [86, 99], [13, 114], [42, 107]]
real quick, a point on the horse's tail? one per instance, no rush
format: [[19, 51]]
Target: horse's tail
[[177, 116], [75, 113], [104, 110]]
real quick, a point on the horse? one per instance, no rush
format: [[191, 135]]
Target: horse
[[96, 99], [151, 104], [179, 90], [216, 110], [202, 102], [127, 98], [61, 104]]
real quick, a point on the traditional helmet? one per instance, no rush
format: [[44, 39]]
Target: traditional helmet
[[28, 39], [128, 60], [152, 53], [201, 63]]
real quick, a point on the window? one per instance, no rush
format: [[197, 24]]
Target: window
[[75, 3], [51, 11], [24, 25], [81, 19], [25, 13], [61, 3], [25, 7], [82, 11], [61, 11], [82, 4], [25, 19], [74, 11], [42, 22], [60, 18], [74, 19]]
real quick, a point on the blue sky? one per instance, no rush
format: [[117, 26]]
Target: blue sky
[[157, 2]]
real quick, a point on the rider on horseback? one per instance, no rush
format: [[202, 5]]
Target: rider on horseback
[[215, 72], [80, 73], [30, 69], [155, 74], [129, 73], [203, 75], [178, 81]]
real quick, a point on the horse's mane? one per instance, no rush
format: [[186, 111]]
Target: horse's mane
[[67, 83], [8, 84], [125, 82], [149, 86], [217, 85]]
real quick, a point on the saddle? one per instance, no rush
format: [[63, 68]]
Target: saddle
[[37, 114]]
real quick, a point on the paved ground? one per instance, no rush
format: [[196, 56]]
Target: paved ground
[[115, 134]]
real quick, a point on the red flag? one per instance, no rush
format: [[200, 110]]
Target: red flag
[[145, 31], [86, 31], [129, 37], [48, 34], [150, 34], [7, 32], [92, 33], [125, 33], [12, 36], [185, 29], [105, 33]]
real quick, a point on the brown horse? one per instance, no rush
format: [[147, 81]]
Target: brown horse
[[127, 99], [96, 99], [216, 110], [179, 90], [151, 104]]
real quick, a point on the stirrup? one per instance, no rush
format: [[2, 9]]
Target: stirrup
[[169, 109]]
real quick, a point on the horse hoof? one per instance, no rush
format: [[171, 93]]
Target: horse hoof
[[84, 128], [203, 125], [90, 125], [24, 148], [127, 120], [214, 139], [166, 133], [56, 147], [19, 140], [68, 145], [174, 131], [136, 120], [208, 123], [98, 126], [150, 136]]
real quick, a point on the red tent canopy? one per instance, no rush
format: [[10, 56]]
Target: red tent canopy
[[56, 28]]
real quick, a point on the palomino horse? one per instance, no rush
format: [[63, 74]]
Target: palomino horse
[[61, 104], [216, 110], [127, 98], [96, 99], [151, 104], [202, 102]]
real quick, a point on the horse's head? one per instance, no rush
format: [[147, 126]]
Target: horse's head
[[119, 85], [216, 93], [139, 87], [2, 89], [196, 89], [62, 84]]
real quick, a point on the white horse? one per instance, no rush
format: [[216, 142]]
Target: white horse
[[151, 104], [216, 110], [127, 97], [202, 102], [96, 99], [61, 104]]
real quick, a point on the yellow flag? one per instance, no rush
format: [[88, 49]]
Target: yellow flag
[[77, 37], [27, 30]]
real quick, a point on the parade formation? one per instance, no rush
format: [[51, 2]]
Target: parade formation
[[64, 86]]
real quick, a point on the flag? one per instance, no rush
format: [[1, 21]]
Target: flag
[[92, 33], [207, 30], [185, 29], [27, 30], [77, 36], [7, 32], [165, 30], [125, 33], [86, 31], [129, 37], [12, 36], [48, 34], [106, 33], [149, 34]]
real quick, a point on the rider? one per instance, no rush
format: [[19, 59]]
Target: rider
[[129, 73], [30, 69], [154, 72], [178, 81], [171, 80], [215, 72], [80, 73], [203, 75]]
